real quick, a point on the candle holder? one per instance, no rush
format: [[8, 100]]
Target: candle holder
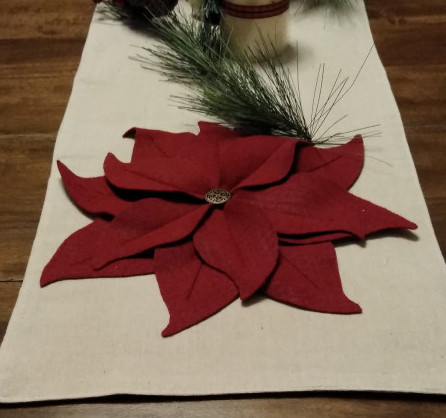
[[256, 27]]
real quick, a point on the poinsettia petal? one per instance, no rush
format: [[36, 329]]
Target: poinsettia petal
[[307, 276], [342, 164], [240, 241], [191, 290], [151, 143], [314, 238], [199, 151], [311, 204], [93, 195], [159, 174], [146, 224], [210, 128], [165, 161], [255, 160], [73, 259]]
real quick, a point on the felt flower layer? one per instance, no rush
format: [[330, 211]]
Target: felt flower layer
[[287, 203]]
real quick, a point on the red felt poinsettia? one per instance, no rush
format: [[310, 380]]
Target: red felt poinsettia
[[218, 216]]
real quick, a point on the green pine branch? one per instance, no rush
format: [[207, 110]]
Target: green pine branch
[[223, 86], [257, 98]]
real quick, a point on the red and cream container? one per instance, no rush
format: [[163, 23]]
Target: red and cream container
[[246, 22]]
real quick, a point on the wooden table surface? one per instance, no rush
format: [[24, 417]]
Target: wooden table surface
[[40, 47]]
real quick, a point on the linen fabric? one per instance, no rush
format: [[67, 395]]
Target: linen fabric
[[87, 338]]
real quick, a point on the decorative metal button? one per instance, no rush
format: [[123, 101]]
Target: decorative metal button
[[217, 196]]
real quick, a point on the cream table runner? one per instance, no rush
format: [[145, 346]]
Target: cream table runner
[[97, 337]]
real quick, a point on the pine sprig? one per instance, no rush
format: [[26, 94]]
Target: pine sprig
[[257, 98], [222, 85]]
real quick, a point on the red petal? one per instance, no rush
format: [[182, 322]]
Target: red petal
[[255, 160], [159, 175], [308, 277], [73, 259], [164, 161], [146, 224], [311, 204], [341, 164], [93, 195], [151, 143], [313, 238], [240, 241], [192, 291], [154, 143], [209, 128]]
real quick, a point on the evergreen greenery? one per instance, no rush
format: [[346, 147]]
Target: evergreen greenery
[[257, 97]]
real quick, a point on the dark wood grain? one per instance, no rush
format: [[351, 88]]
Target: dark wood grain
[[40, 47], [299, 405]]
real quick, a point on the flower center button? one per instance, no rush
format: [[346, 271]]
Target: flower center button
[[217, 196]]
